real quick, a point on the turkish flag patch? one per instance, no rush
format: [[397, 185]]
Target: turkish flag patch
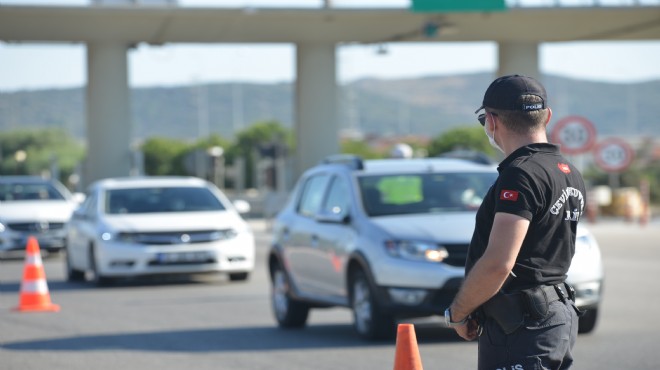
[[511, 195], [564, 167]]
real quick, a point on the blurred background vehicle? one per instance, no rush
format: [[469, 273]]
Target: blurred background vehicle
[[34, 206], [140, 226], [389, 239], [587, 275]]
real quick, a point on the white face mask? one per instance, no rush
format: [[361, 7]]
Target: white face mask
[[491, 138]]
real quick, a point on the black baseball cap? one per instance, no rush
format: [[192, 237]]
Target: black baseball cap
[[505, 92]]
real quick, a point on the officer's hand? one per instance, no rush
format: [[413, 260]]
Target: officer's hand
[[469, 331]]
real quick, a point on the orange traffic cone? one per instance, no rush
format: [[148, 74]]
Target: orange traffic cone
[[34, 294], [407, 353]]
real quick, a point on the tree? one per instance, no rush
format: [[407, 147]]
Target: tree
[[260, 137], [41, 150], [360, 148], [461, 138], [164, 156]]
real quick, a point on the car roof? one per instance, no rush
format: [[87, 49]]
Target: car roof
[[416, 165], [25, 179], [148, 181]]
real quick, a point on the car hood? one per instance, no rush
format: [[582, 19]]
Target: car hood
[[447, 227], [175, 221], [26, 211]]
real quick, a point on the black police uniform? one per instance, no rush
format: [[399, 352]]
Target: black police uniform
[[537, 183]]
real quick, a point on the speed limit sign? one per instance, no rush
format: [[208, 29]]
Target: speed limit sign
[[613, 155], [575, 134]]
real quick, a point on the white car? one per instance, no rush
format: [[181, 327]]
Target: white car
[[388, 239], [138, 226], [33, 206]]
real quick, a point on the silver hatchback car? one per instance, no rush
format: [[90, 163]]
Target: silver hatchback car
[[388, 239]]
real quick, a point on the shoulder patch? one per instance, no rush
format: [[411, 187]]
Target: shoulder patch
[[564, 167], [510, 195]]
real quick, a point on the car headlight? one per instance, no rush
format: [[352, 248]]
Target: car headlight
[[2, 228], [224, 234], [416, 250], [107, 234]]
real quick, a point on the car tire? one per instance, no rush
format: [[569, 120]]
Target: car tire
[[289, 313], [239, 276], [368, 319], [587, 323], [97, 278], [72, 274]]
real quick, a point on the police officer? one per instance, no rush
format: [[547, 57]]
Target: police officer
[[514, 297]]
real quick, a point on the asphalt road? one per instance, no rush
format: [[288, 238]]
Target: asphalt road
[[210, 323]]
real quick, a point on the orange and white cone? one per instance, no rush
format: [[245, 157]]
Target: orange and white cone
[[34, 295], [407, 353]]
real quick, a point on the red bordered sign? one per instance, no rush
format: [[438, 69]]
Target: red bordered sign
[[575, 134], [613, 155]]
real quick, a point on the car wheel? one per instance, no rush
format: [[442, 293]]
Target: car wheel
[[239, 276], [73, 274], [289, 312], [97, 278], [368, 320], [587, 323]]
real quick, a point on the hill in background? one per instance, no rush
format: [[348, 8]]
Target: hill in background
[[420, 106]]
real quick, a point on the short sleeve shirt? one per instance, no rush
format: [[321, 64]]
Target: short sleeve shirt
[[537, 183]]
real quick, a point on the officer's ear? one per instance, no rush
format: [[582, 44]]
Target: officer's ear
[[491, 121], [547, 120]]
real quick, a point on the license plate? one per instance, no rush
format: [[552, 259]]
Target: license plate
[[183, 257]]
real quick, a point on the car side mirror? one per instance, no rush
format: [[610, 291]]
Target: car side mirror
[[242, 206], [78, 197], [79, 214]]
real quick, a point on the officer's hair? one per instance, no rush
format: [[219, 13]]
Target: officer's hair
[[522, 122]]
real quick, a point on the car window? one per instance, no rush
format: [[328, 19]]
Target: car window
[[423, 193], [161, 199], [312, 195], [338, 199], [18, 191], [90, 204]]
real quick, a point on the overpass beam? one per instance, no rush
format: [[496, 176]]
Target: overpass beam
[[317, 129], [519, 58], [108, 112]]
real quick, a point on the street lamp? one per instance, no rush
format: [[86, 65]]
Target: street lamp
[[20, 156]]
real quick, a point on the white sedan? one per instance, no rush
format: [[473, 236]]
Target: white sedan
[[33, 206], [139, 226]]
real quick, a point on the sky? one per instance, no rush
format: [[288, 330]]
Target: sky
[[23, 66]]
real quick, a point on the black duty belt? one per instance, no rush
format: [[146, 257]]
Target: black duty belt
[[554, 292], [510, 309]]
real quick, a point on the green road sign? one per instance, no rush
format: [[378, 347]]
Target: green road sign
[[458, 5]]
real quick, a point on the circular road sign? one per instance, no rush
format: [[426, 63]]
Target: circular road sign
[[575, 134], [613, 155]]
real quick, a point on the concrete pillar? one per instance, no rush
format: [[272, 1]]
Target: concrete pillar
[[317, 129], [108, 112], [519, 58]]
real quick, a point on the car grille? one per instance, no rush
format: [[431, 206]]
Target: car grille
[[35, 227], [457, 254], [176, 237]]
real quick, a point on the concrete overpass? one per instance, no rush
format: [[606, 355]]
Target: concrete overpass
[[109, 31]]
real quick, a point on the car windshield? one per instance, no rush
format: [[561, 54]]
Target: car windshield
[[397, 194], [161, 199], [21, 191]]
